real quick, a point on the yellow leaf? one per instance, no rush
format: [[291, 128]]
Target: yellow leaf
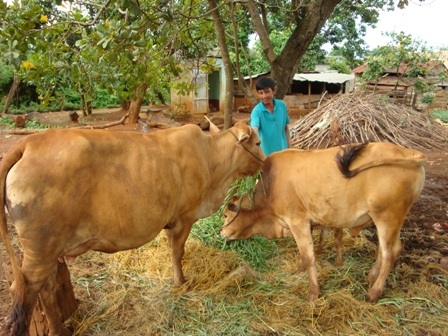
[[27, 64]]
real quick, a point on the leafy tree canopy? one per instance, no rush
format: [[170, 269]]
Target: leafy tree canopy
[[119, 44]]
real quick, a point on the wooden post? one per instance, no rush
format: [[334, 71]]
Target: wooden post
[[74, 116], [20, 121], [309, 96]]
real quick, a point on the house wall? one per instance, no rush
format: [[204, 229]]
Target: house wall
[[181, 104], [440, 99], [209, 97]]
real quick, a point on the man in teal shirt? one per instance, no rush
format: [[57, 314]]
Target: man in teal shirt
[[270, 118]]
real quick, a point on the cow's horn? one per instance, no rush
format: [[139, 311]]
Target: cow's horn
[[213, 127]]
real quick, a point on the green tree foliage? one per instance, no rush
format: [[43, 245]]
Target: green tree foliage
[[293, 35], [6, 75], [120, 45], [113, 45], [339, 64]]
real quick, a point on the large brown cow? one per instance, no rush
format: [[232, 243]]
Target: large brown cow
[[70, 191], [347, 187]]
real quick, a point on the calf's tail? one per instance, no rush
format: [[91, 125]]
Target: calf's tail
[[350, 153], [17, 319]]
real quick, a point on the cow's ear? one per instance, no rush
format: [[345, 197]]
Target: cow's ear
[[232, 207], [243, 132], [212, 127], [242, 138]]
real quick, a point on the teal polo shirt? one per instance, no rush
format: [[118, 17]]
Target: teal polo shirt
[[271, 126]]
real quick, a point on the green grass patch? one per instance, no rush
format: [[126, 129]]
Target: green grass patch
[[440, 114], [7, 121], [34, 124]]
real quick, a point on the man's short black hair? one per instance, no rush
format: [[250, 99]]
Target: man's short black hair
[[265, 83]]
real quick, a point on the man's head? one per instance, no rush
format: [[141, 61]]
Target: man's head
[[265, 83], [266, 89]]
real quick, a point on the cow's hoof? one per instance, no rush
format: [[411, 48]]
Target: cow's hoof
[[64, 331], [339, 263], [180, 288], [313, 297], [372, 298], [301, 268]]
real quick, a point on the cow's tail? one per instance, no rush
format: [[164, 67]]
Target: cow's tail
[[18, 316], [344, 160]]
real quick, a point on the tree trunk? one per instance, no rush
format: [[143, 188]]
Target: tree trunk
[[136, 104], [227, 63], [74, 116], [310, 19], [83, 105], [161, 98], [12, 92], [125, 105], [89, 107]]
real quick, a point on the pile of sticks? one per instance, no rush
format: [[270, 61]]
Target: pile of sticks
[[351, 118]]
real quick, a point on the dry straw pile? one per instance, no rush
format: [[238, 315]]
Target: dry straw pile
[[359, 117], [131, 293]]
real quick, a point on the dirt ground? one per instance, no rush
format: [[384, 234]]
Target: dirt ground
[[425, 231]]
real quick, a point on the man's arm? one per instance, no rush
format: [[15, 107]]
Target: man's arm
[[255, 129], [288, 135]]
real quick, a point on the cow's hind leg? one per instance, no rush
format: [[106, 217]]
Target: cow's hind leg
[[177, 236], [302, 234], [35, 275], [323, 236], [389, 247], [49, 299], [338, 233]]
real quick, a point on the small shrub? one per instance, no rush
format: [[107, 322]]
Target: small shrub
[[71, 106], [428, 99], [440, 114], [104, 99], [7, 121], [30, 124], [34, 124]]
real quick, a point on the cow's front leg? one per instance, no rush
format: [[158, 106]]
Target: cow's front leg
[[301, 231], [177, 236], [373, 273]]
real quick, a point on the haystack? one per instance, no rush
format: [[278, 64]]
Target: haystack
[[357, 117]]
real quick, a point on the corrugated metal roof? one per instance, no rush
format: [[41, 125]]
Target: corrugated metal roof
[[327, 77]]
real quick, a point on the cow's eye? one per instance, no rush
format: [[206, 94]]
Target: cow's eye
[[258, 143]]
